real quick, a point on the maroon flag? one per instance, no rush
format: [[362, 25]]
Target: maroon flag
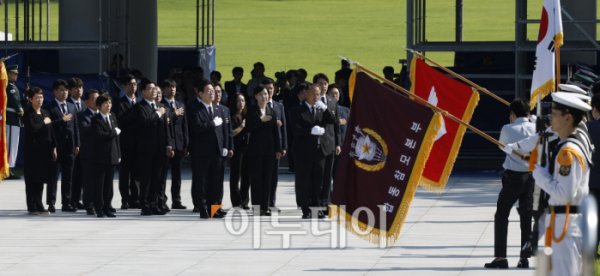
[[387, 144]]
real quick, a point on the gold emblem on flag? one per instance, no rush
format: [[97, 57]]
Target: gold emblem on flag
[[366, 153]]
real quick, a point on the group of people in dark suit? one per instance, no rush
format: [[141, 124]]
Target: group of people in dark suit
[[79, 137]]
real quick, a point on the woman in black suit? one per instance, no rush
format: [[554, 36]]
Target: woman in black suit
[[40, 151], [263, 145], [239, 161], [107, 155]]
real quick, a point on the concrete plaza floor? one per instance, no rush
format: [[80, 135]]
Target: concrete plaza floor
[[447, 234]]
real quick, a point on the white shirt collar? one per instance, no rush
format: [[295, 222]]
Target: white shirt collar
[[59, 103], [324, 97], [104, 117], [309, 106], [150, 102], [205, 105]]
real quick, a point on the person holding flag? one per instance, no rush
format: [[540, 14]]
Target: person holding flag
[[14, 115]]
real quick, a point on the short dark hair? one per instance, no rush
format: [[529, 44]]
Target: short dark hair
[[57, 83], [388, 69], [596, 87], [102, 99], [291, 73], [137, 73], [167, 83], [33, 91], [303, 72], [144, 82], [345, 63], [90, 92], [596, 101], [302, 87], [267, 81], [198, 69], [127, 79], [74, 82], [103, 91], [259, 64], [200, 84], [237, 69], [334, 86], [215, 84], [320, 76], [216, 73], [259, 88], [520, 107]]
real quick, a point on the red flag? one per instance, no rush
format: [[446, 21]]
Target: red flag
[[388, 141], [456, 98], [3, 150]]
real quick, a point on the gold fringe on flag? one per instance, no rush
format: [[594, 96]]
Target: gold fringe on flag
[[4, 170], [379, 236], [352, 82], [545, 89]]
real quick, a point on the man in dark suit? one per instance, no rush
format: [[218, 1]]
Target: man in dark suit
[[64, 122], [206, 147], [153, 147], [129, 181], [309, 121], [75, 86], [282, 127], [179, 133], [594, 131], [236, 85], [86, 156], [332, 131], [343, 116], [227, 138]]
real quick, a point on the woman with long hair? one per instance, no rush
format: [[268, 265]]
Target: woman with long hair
[[239, 161]]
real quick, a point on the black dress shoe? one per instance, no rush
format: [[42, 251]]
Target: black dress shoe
[[135, 205], [100, 215], [204, 215], [306, 216], [268, 213], [320, 215], [159, 212], [112, 210], [110, 214], [246, 208], [51, 209], [178, 206], [523, 263], [124, 206], [218, 215], [196, 210], [78, 205], [222, 212], [68, 208], [90, 211], [146, 212], [497, 264], [166, 209]]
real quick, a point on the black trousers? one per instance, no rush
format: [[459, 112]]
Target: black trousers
[[261, 171], [176, 176], [129, 177], [239, 167], [88, 183], [336, 161], [152, 164], [309, 178], [103, 187], [77, 180], [274, 180], [596, 193], [33, 194], [63, 166], [205, 180], [326, 186], [515, 186]]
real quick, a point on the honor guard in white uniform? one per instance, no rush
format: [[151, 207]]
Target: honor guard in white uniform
[[14, 115], [565, 180]]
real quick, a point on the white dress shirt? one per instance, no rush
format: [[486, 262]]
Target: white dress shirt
[[512, 133], [150, 103]]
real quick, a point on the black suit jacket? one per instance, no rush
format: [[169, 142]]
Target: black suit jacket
[[345, 114], [594, 131], [86, 136], [228, 137], [126, 118], [178, 125], [280, 111], [38, 146], [302, 123], [332, 131], [152, 133], [231, 89], [206, 139], [66, 133], [83, 104], [264, 136], [107, 149]]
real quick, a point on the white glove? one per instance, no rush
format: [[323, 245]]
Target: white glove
[[508, 148], [218, 121], [224, 152], [320, 105], [317, 130], [541, 174], [118, 130], [532, 118]]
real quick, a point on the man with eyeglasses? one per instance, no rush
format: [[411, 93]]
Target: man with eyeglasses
[[129, 183]]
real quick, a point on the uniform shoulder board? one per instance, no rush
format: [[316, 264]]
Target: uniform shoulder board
[[565, 159]]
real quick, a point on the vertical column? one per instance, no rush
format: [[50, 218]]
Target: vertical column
[[144, 37]]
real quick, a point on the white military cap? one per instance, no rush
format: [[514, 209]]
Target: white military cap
[[570, 102], [571, 88]]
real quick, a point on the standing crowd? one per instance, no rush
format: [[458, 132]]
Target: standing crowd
[[151, 128]]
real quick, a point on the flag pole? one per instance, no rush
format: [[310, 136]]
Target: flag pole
[[437, 109], [459, 77]]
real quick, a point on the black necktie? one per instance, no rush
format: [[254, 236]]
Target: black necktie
[[314, 112], [152, 105], [64, 107], [323, 100], [172, 105], [107, 122], [78, 108], [210, 112], [269, 104]]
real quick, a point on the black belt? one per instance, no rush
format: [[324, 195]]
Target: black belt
[[563, 209]]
